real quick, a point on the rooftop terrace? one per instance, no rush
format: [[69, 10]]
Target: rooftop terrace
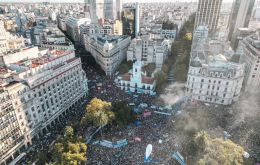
[[35, 62]]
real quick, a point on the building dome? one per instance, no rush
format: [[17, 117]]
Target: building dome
[[196, 62], [220, 57]]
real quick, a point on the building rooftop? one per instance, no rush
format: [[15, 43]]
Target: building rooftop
[[25, 64], [13, 51], [3, 70], [110, 38], [147, 80], [253, 43]]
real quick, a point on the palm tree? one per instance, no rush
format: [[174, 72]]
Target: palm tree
[[202, 139], [99, 112], [103, 117]]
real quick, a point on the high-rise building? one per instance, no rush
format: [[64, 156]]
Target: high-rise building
[[208, 14], [119, 8], [110, 9], [249, 48], [12, 139], [100, 8], [240, 17], [233, 17], [131, 20], [90, 10], [257, 13]]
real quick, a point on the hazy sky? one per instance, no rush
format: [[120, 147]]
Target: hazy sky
[[64, 1]]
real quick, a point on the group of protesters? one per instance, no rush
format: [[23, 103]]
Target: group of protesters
[[149, 130]]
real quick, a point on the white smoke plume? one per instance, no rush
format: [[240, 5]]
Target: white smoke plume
[[248, 107], [173, 93]]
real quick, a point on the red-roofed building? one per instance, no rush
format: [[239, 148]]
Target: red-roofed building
[[136, 81]]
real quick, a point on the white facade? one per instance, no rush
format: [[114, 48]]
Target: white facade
[[215, 82], [257, 13], [168, 34], [249, 50], [149, 50], [53, 16], [136, 81], [62, 24], [8, 41], [200, 33], [72, 27], [43, 85], [12, 138], [211, 77], [108, 51]]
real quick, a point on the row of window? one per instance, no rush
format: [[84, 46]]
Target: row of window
[[219, 82], [211, 99]]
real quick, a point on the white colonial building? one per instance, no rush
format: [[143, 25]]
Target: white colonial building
[[136, 81], [218, 81], [149, 50], [212, 77]]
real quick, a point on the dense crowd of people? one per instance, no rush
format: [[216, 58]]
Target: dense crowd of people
[[102, 87], [156, 129], [151, 130], [45, 141]]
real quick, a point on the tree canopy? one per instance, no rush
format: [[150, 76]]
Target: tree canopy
[[99, 112], [68, 132], [180, 72], [218, 151], [160, 78], [125, 66], [69, 151], [123, 113]]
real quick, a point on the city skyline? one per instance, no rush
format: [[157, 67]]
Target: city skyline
[[82, 1], [119, 82]]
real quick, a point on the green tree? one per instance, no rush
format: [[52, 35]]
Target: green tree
[[149, 69], [99, 112], [75, 153], [180, 72], [218, 151], [70, 152], [161, 80], [68, 132], [123, 68], [123, 113], [42, 158], [202, 139], [57, 151]]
